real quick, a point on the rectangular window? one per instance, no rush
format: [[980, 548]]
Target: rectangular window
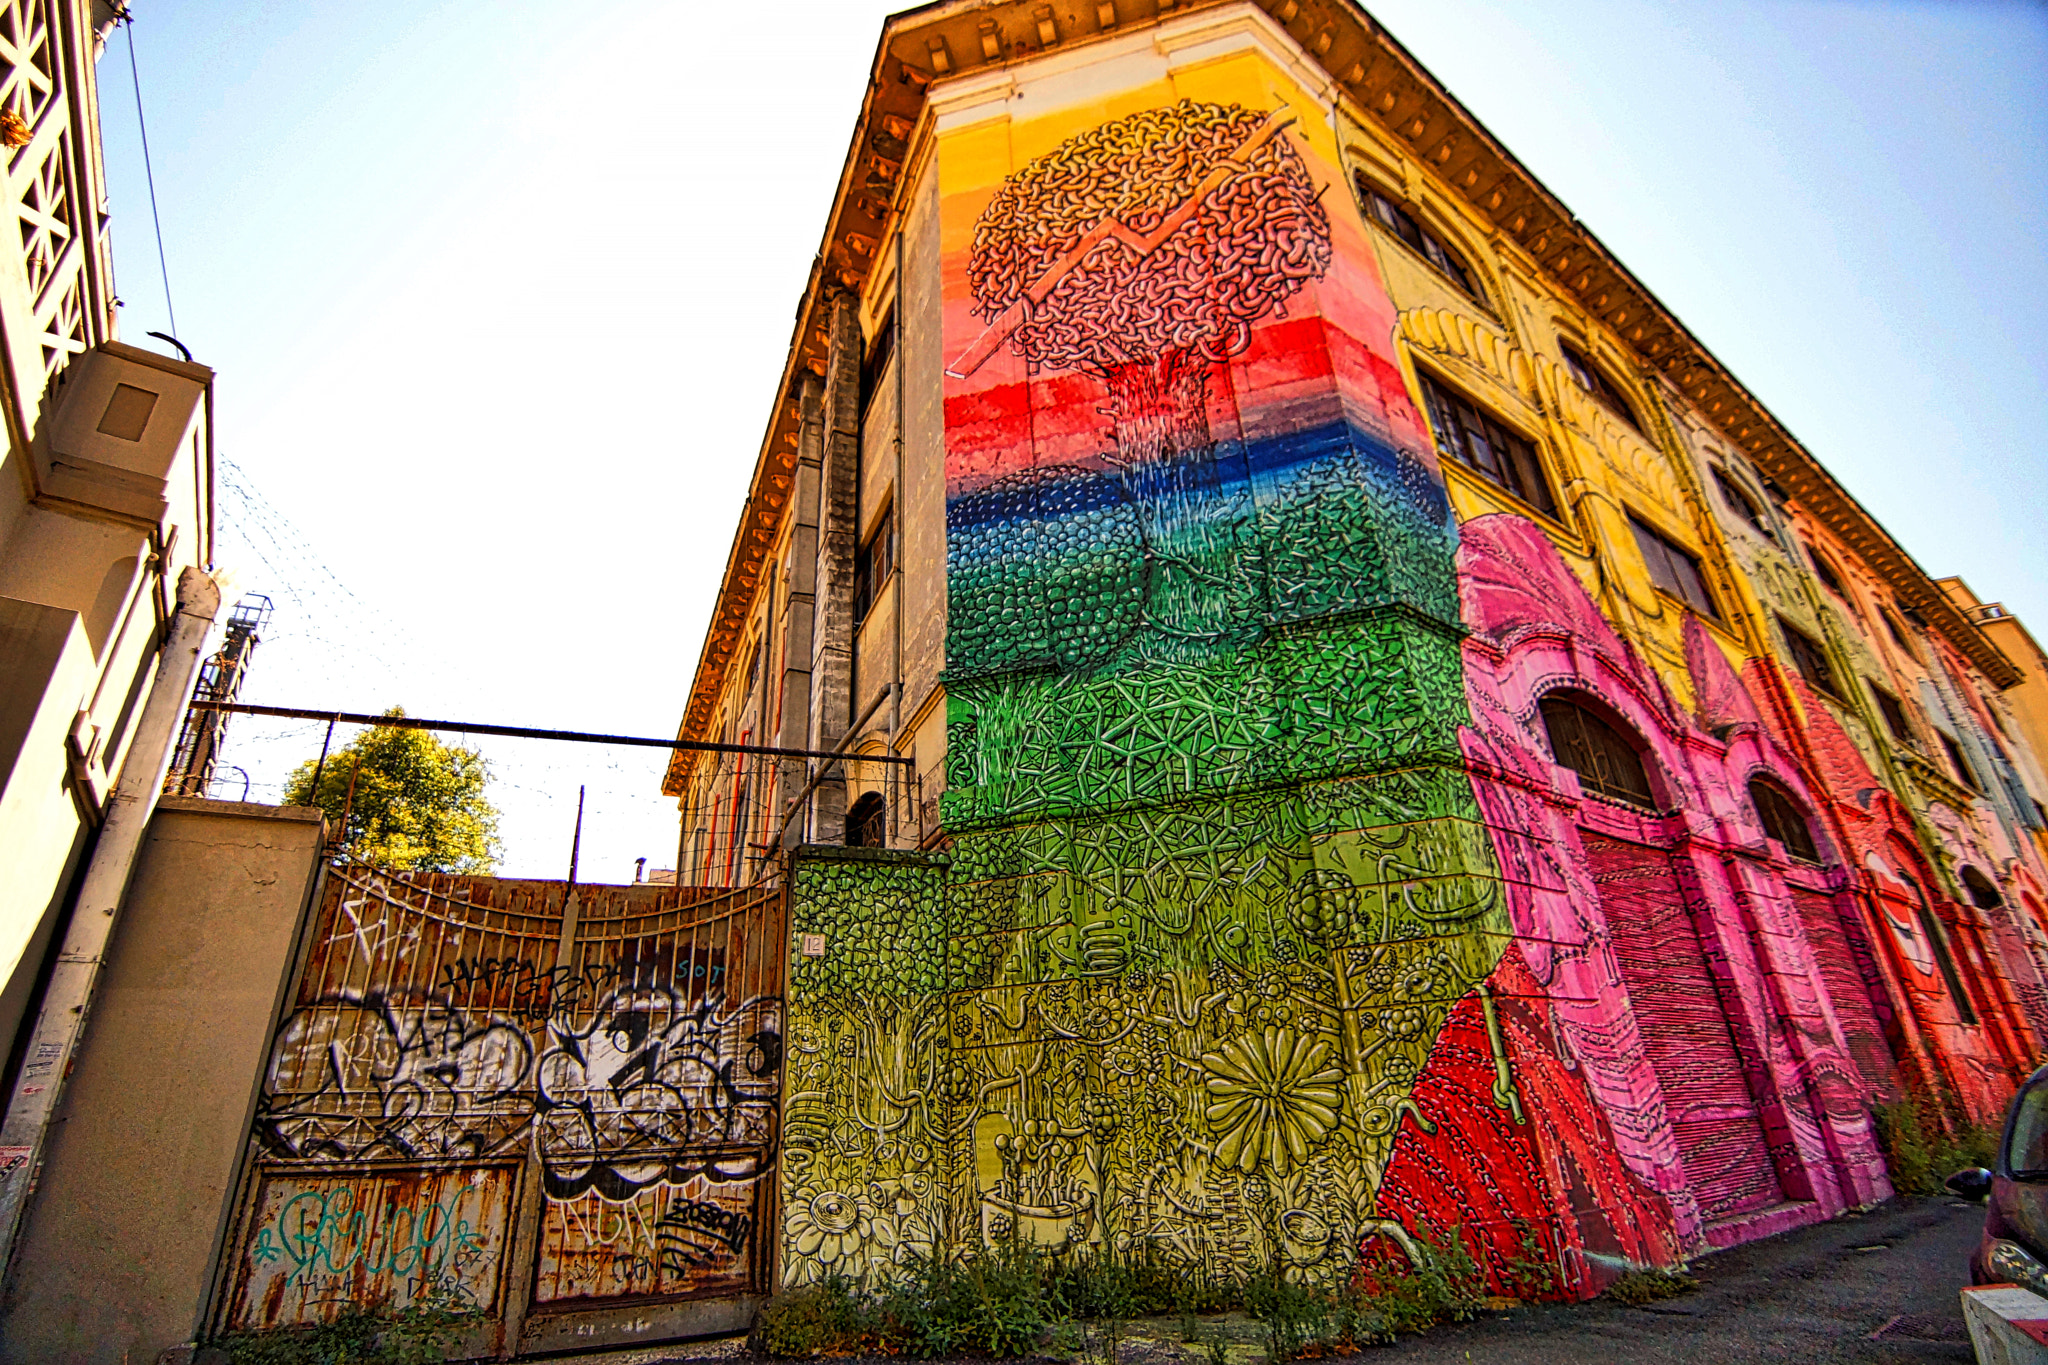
[[1469, 435], [1894, 714], [1673, 569], [872, 565], [1810, 659], [1964, 771]]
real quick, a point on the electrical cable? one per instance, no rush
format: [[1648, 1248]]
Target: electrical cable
[[148, 171]]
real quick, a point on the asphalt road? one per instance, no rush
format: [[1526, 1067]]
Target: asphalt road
[[1881, 1286], [1877, 1287]]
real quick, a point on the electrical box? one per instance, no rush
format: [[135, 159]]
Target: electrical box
[[115, 427]]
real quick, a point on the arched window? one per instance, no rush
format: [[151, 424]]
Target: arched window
[[1605, 760], [1741, 504], [1983, 894], [1590, 378], [1389, 213], [867, 824], [1782, 819]]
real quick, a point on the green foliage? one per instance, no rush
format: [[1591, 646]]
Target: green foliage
[[1922, 1153], [1014, 1300], [1530, 1273], [992, 1305], [818, 1319], [423, 1331], [418, 804], [1098, 1283], [1650, 1284], [1441, 1284]]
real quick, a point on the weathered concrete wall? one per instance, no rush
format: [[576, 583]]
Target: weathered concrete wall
[[118, 1248], [49, 670]]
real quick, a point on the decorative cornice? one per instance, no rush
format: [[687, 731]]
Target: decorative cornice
[[1377, 78]]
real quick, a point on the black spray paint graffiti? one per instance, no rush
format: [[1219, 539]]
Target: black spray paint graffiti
[[659, 1088], [696, 1232], [655, 1087], [370, 1075], [532, 993]]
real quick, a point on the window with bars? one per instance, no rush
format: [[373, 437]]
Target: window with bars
[[1594, 382], [1474, 438], [1740, 503], [1894, 713], [1810, 659], [1783, 820], [1383, 209], [1606, 762], [1673, 569], [872, 565], [1825, 572], [867, 824]]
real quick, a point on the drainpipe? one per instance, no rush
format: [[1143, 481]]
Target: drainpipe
[[897, 501], [68, 999]]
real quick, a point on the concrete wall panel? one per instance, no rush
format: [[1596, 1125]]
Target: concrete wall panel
[[117, 1252]]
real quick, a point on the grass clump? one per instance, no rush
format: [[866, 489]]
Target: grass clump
[[991, 1306], [1650, 1284], [1921, 1153], [1439, 1282], [423, 1331]]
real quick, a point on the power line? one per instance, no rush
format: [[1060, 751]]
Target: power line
[[148, 171]]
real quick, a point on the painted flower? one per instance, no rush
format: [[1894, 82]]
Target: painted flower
[[829, 1224], [1271, 1095]]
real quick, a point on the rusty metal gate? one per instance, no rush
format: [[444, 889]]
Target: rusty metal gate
[[556, 1106]]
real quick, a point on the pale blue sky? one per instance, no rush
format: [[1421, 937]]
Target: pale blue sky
[[499, 295]]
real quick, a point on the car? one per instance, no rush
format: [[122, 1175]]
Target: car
[[2014, 1249]]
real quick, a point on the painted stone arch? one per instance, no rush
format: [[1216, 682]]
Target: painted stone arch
[[1776, 770], [1651, 948], [1648, 786]]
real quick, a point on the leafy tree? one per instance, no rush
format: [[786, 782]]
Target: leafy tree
[[419, 804]]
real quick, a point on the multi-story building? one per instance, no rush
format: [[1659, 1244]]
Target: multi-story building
[[106, 528], [1353, 721]]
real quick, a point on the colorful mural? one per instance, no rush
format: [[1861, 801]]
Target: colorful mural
[[1220, 909], [1274, 926]]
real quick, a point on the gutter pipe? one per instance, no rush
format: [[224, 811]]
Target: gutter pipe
[[67, 1000]]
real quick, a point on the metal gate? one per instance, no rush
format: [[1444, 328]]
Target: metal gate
[[558, 1106]]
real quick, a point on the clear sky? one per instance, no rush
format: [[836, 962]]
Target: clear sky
[[499, 295]]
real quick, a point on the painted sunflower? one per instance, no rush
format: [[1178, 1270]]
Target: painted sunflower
[[1271, 1095], [829, 1224]]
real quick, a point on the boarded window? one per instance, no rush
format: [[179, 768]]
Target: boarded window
[[1470, 435], [1607, 764], [1783, 820], [1673, 569], [1686, 1037]]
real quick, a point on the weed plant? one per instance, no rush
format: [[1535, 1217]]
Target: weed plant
[[423, 1331], [1648, 1285], [1008, 1302], [1923, 1153]]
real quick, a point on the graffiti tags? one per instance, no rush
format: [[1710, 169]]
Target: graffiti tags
[[658, 1088], [648, 1094], [322, 1241]]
